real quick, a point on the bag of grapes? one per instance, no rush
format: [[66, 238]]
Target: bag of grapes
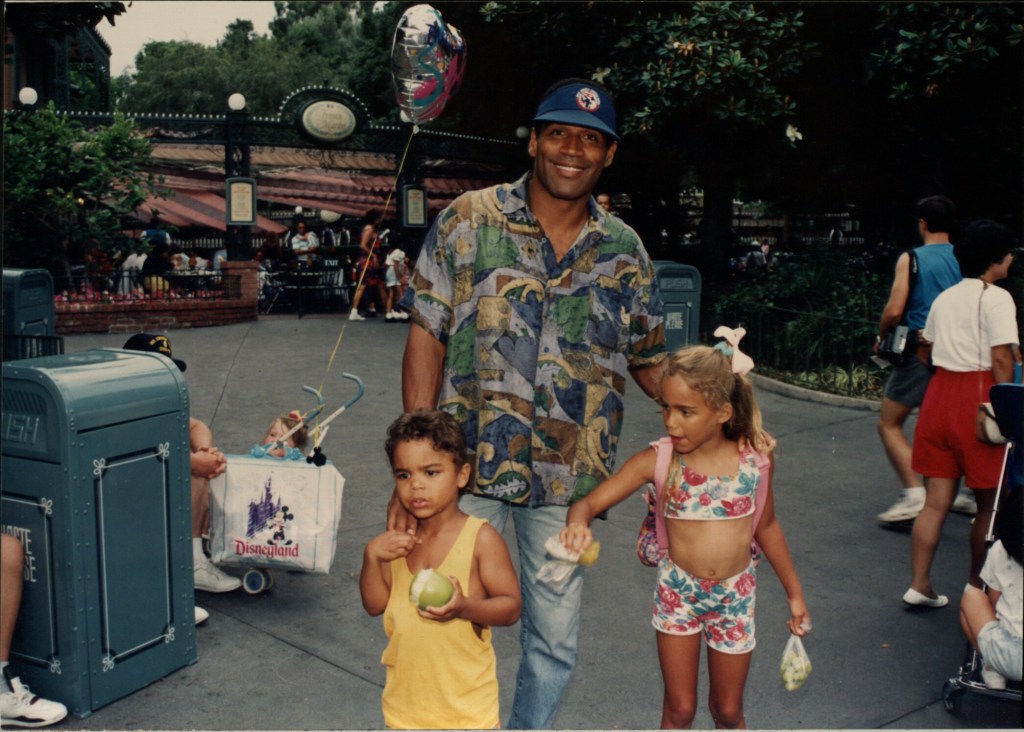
[[796, 665]]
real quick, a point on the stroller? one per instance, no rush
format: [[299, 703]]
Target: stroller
[[1008, 404], [277, 507]]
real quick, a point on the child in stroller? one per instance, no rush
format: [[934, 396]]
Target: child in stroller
[[280, 427], [992, 618]]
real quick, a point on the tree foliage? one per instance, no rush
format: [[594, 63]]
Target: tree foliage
[[67, 188]]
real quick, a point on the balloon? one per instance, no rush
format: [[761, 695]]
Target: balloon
[[428, 59]]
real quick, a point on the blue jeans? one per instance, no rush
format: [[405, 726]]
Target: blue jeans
[[550, 621]]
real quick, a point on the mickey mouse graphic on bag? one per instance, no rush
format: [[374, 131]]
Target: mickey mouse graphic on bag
[[277, 523]]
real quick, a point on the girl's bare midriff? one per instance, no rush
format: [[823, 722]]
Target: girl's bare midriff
[[711, 549]]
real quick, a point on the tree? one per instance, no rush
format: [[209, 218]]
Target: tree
[[66, 188]]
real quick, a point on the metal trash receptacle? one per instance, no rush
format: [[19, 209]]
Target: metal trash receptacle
[[29, 315], [679, 285], [96, 485]]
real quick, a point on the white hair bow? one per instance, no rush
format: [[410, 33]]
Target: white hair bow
[[741, 362]]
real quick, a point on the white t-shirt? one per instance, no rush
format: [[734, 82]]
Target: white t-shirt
[[952, 325], [1001, 572]]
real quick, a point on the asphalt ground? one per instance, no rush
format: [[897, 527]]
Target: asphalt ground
[[306, 656]]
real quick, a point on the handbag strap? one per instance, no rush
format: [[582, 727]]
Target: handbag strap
[[665, 452]]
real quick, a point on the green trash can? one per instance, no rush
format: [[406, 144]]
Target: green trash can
[[96, 485], [29, 315], [679, 285]]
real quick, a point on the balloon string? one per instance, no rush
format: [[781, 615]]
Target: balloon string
[[362, 274]]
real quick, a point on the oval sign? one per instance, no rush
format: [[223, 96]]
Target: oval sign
[[328, 121]]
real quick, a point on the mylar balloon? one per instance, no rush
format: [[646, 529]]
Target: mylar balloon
[[428, 59]]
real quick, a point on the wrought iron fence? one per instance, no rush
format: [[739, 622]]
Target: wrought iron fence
[[128, 286], [812, 349]]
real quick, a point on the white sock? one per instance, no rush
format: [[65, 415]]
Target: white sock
[[917, 492], [197, 549], [3, 665]]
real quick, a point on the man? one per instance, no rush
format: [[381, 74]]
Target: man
[[530, 305], [206, 462], [910, 299]]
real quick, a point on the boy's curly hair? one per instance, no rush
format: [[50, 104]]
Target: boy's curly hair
[[441, 428]]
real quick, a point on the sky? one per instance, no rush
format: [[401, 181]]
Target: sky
[[200, 21]]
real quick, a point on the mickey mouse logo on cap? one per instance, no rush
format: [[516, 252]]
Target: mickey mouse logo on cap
[[588, 99]]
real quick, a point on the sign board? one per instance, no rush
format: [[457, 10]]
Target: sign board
[[241, 201], [414, 206]]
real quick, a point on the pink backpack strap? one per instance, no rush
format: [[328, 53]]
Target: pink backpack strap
[[764, 468], [664, 449]]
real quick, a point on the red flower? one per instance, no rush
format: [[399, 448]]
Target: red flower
[[735, 632], [693, 478], [740, 507], [669, 599], [705, 499], [716, 634], [745, 584]]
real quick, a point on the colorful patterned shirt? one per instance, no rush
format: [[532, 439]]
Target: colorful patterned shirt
[[538, 350]]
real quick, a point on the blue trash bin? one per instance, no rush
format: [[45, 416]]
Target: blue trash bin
[[96, 485], [680, 286], [29, 315]]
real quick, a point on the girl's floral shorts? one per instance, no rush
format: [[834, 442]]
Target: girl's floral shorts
[[722, 609]]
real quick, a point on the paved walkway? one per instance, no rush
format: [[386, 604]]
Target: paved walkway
[[306, 656]]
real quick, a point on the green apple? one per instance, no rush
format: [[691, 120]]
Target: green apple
[[589, 555], [430, 588]]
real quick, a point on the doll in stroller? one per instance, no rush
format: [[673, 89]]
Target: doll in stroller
[[991, 617]]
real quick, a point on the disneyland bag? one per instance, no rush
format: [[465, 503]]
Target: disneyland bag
[[796, 664], [274, 512]]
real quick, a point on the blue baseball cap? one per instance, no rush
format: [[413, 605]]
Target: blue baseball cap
[[580, 104]]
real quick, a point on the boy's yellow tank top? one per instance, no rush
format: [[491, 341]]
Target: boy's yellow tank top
[[439, 675]]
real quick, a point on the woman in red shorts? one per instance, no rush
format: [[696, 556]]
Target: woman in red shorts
[[972, 328]]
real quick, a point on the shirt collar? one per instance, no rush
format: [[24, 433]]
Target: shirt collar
[[516, 206]]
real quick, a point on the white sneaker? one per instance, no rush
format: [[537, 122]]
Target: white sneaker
[[208, 577], [390, 315], [354, 315], [905, 509], [964, 503], [992, 678], [19, 707], [201, 615], [401, 315]]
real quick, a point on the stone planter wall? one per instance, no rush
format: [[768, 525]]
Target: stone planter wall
[[162, 315]]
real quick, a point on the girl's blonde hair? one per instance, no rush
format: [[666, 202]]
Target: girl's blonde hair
[[301, 436], [708, 371]]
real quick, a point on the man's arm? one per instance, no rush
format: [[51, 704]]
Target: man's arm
[[648, 378], [422, 370], [898, 295]]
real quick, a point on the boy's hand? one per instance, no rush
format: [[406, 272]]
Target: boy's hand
[[207, 462], [576, 537], [390, 545], [398, 518], [450, 610]]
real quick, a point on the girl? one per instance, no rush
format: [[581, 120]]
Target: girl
[[280, 427], [706, 579]]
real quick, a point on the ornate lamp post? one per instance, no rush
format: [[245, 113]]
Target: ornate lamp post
[[241, 192]]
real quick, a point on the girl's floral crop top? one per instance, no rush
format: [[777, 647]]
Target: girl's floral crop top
[[690, 495]]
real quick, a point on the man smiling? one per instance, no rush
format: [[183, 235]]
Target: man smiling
[[530, 305]]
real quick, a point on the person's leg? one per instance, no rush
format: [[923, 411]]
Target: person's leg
[[985, 500], [679, 656], [728, 677], [926, 533], [12, 557], [891, 419], [206, 575], [975, 613], [550, 622]]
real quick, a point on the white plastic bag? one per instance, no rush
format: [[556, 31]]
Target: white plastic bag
[[266, 512], [557, 571], [796, 665]]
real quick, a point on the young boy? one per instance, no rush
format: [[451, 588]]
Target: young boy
[[441, 668]]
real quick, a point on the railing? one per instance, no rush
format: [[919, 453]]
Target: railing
[[810, 349], [129, 286]]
